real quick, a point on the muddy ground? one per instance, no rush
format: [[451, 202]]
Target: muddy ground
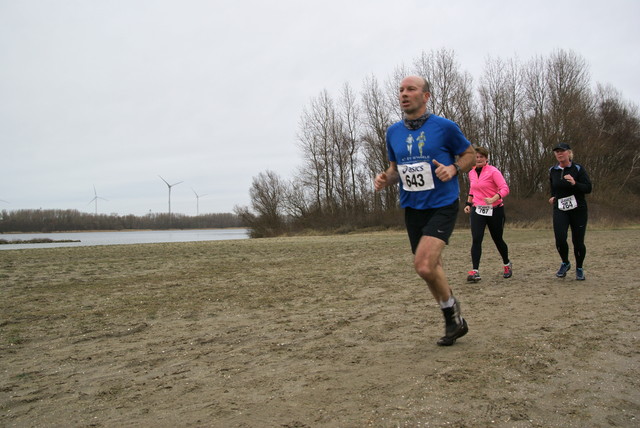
[[317, 332]]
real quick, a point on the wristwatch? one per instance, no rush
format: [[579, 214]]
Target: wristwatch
[[457, 168]]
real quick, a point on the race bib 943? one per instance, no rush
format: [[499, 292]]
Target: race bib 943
[[416, 177]]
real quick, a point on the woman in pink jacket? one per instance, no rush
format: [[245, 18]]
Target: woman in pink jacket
[[487, 188]]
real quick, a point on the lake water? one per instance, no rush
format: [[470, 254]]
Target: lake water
[[122, 237]]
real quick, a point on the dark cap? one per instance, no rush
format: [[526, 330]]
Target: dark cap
[[562, 146]]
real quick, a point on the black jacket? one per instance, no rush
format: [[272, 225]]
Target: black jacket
[[561, 188]]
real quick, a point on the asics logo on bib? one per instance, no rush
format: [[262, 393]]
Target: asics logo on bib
[[407, 168]]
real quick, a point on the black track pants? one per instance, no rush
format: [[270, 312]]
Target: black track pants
[[496, 228], [577, 220]]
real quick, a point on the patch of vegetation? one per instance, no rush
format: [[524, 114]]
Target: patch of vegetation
[[14, 338], [35, 241]]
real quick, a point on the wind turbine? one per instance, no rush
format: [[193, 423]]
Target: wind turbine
[[197, 201], [169, 186], [95, 198]]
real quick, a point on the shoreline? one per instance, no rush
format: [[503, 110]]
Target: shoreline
[[120, 230]]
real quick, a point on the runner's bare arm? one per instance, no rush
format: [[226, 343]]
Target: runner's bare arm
[[464, 163], [387, 178], [466, 160]]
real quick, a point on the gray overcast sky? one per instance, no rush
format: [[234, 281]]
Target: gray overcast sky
[[113, 93]]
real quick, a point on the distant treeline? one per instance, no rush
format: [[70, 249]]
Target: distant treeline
[[26, 221]]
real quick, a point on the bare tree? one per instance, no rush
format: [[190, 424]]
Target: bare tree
[[570, 100], [297, 203], [451, 88], [614, 155], [377, 118], [331, 142], [349, 143], [313, 141], [536, 130], [267, 195], [501, 94]]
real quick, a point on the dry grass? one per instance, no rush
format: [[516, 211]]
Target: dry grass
[[316, 331]]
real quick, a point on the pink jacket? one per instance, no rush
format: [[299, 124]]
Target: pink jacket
[[487, 185]]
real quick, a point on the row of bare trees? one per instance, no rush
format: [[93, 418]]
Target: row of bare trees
[[518, 111], [72, 220]]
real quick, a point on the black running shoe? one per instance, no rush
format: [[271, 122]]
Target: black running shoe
[[562, 272], [455, 325], [450, 338], [580, 274]]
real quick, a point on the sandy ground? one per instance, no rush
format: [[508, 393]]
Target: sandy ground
[[317, 332]]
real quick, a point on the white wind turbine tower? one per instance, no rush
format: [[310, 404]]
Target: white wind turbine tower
[[95, 198], [197, 201], [169, 186]]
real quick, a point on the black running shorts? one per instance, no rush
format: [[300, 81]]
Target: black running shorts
[[436, 222]]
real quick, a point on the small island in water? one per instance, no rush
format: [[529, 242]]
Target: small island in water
[[35, 241]]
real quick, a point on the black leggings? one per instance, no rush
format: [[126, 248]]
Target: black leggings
[[577, 220], [496, 227]]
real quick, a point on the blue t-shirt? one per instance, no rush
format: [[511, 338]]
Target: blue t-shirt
[[438, 138]]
